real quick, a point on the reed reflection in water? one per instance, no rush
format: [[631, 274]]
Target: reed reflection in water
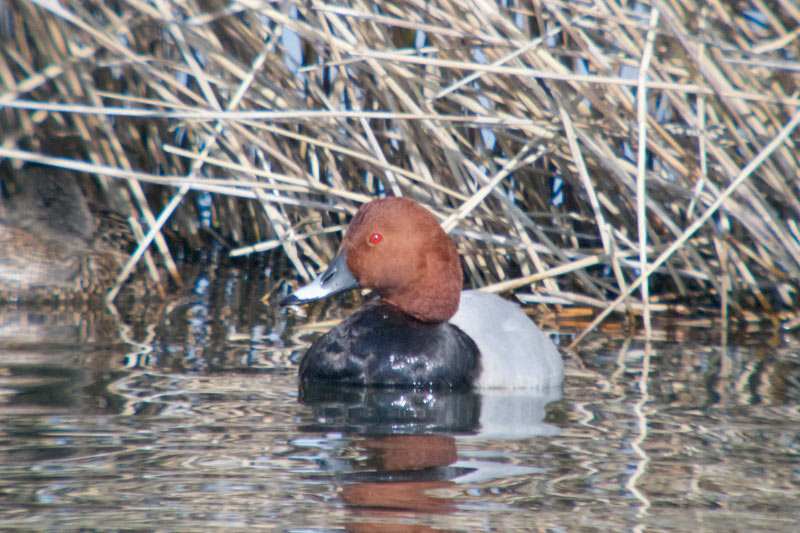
[[186, 415]]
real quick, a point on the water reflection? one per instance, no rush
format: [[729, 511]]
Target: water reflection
[[382, 411], [408, 444], [56, 358], [185, 415], [490, 413], [407, 441]]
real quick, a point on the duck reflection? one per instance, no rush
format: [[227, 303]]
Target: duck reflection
[[407, 468], [405, 444], [384, 410], [373, 410]]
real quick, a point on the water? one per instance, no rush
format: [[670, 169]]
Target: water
[[185, 416]]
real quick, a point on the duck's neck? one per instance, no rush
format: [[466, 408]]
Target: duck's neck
[[429, 304]]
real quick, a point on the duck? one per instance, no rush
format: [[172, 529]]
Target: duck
[[52, 246], [423, 330]]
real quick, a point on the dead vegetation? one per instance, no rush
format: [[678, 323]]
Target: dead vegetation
[[568, 146]]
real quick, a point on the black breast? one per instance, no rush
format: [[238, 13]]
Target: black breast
[[379, 345]]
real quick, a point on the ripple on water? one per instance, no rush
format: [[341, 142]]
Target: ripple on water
[[190, 419]]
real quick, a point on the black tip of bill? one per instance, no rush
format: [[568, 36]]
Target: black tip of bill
[[289, 300]]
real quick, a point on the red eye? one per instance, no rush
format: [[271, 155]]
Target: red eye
[[375, 238]]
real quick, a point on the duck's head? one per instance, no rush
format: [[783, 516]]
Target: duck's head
[[396, 248]]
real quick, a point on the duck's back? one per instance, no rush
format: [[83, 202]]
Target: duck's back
[[515, 353]]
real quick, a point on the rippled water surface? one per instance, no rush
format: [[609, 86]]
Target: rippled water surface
[[185, 415]]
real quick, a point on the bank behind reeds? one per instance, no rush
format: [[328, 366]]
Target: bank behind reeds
[[568, 147]]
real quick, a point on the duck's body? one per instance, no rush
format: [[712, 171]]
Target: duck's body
[[423, 331], [52, 247], [515, 353], [380, 345]]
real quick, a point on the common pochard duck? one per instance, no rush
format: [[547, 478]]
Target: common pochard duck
[[53, 247], [422, 331]]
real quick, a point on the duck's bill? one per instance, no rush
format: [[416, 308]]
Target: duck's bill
[[336, 278]]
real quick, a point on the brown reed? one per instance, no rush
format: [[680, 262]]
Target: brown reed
[[569, 147]]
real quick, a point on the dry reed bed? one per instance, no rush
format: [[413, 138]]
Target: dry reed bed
[[518, 126]]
